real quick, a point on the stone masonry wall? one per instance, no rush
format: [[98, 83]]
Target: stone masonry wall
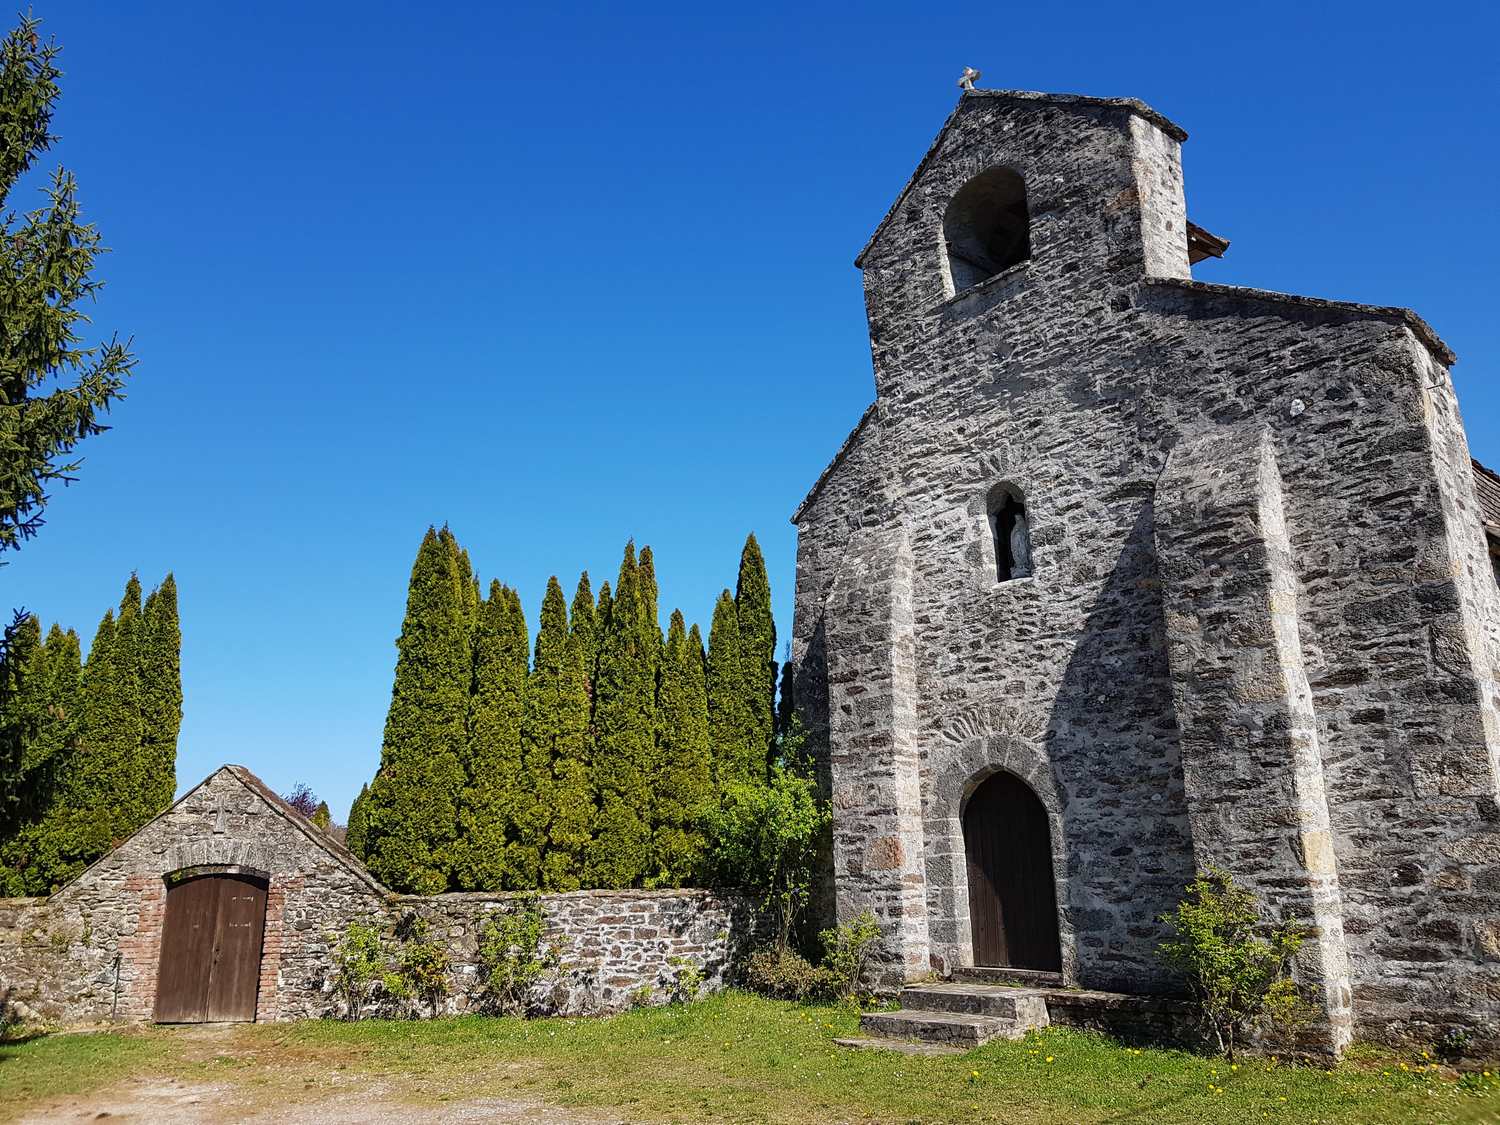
[[91, 951]]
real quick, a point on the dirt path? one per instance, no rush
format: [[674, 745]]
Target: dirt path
[[163, 1101]]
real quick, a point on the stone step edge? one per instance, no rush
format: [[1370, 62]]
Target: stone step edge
[[946, 996], [930, 1026], [900, 1046]]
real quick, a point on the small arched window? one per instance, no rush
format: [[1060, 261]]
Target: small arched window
[[1011, 531], [987, 228]]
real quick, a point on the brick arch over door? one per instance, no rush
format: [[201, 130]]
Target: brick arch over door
[[954, 772]]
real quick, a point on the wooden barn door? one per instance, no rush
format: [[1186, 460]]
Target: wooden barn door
[[210, 950], [1012, 901]]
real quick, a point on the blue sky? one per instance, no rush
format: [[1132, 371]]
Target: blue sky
[[564, 275]]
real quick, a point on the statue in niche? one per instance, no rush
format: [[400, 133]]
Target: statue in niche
[[1012, 534], [1020, 544]]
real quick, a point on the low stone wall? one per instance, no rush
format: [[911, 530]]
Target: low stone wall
[[616, 949], [92, 950]]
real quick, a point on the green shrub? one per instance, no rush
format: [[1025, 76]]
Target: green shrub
[[847, 952], [784, 974], [422, 972], [513, 959], [1240, 980], [360, 960], [763, 839], [687, 980]]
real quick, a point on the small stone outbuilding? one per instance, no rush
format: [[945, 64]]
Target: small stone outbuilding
[[229, 906]]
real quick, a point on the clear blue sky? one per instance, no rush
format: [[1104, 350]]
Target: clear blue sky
[[564, 275]]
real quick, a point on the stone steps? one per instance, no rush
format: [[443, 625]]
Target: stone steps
[[954, 1029], [999, 974], [1022, 1005], [900, 1046], [943, 1017]]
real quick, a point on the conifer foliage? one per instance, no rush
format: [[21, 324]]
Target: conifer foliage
[[492, 759], [752, 607], [412, 810], [97, 741], [683, 793], [598, 762], [625, 732], [53, 391]]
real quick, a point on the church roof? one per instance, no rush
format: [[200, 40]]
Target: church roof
[[1134, 105], [1487, 490], [838, 458]]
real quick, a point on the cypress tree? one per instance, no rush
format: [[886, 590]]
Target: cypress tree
[[728, 724], [412, 808], [625, 738], [757, 627], [602, 615], [39, 720], [497, 709], [543, 734], [159, 660], [684, 788], [583, 628], [573, 812], [20, 662], [321, 816], [354, 834]]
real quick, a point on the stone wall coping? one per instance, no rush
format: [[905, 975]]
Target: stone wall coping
[[1133, 105], [1390, 313], [462, 897]]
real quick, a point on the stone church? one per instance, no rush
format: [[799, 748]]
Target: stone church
[[1124, 574]]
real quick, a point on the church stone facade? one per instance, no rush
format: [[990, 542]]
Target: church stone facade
[[1124, 575]]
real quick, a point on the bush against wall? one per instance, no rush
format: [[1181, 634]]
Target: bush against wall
[[1238, 967], [599, 765], [515, 961]]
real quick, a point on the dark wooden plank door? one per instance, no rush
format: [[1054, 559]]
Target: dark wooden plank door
[[187, 949], [1012, 898], [210, 950], [234, 980]]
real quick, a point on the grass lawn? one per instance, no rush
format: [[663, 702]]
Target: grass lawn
[[740, 1058]]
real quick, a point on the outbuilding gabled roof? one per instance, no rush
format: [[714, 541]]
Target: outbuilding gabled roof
[[1135, 106], [263, 792]]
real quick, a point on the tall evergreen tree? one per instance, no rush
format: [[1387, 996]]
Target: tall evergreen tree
[[683, 790], [159, 661], [354, 833], [493, 761], [412, 808], [603, 612], [97, 764], [583, 627], [321, 816], [20, 660], [728, 723], [47, 259], [757, 627], [625, 739], [543, 733], [573, 811], [37, 724]]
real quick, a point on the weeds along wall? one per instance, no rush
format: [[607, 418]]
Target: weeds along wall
[[92, 950]]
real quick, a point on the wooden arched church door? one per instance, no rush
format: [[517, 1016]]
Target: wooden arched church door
[[1012, 898]]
